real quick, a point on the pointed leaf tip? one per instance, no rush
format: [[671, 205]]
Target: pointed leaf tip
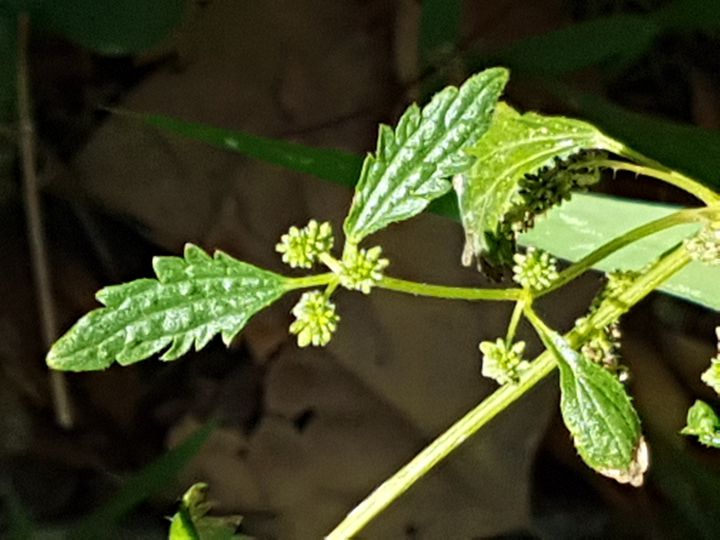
[[412, 164], [194, 299]]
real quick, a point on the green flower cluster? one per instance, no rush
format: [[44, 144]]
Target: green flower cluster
[[361, 269], [603, 346], [711, 376], [705, 245], [300, 248], [534, 269], [501, 362], [315, 319], [551, 186]]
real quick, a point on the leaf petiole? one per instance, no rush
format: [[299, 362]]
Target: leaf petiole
[[447, 292], [306, 282], [616, 244], [657, 171], [515, 319]]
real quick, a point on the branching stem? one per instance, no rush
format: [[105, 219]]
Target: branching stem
[[655, 170], [468, 425], [616, 244]]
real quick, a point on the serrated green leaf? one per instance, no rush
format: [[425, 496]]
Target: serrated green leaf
[[191, 522], [412, 165], [515, 145], [599, 414], [193, 299], [704, 423]]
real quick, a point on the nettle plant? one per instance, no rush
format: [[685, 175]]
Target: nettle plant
[[507, 169]]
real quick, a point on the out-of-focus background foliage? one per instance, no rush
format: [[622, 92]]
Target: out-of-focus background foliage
[[305, 434]]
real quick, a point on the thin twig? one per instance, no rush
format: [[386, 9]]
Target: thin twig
[[35, 229]]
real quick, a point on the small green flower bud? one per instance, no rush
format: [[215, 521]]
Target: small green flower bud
[[705, 245], [315, 319], [502, 363], [362, 269], [534, 269], [300, 248], [603, 347]]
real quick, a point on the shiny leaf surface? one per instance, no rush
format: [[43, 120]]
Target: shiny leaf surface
[[515, 145], [193, 299], [412, 164], [599, 415]]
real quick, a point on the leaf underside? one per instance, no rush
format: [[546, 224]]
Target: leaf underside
[[412, 164], [515, 146], [597, 411], [194, 298]]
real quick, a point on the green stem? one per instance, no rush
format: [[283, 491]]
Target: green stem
[[439, 449], [468, 425], [331, 262], [655, 170], [607, 249], [451, 293], [306, 282], [515, 320]]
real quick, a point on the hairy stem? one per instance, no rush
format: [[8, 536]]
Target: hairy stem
[[515, 320], [307, 282], [609, 311], [616, 244], [451, 293], [35, 227], [655, 170]]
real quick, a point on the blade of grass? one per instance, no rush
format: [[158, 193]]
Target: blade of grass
[[686, 148], [328, 164], [439, 29], [142, 485], [20, 525]]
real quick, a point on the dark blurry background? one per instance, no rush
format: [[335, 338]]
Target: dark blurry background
[[306, 434]]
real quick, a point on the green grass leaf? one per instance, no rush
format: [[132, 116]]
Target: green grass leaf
[[515, 145], [412, 164], [683, 147], [617, 38], [598, 413], [328, 164], [584, 223], [140, 486], [439, 29], [193, 299], [112, 27], [614, 41]]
